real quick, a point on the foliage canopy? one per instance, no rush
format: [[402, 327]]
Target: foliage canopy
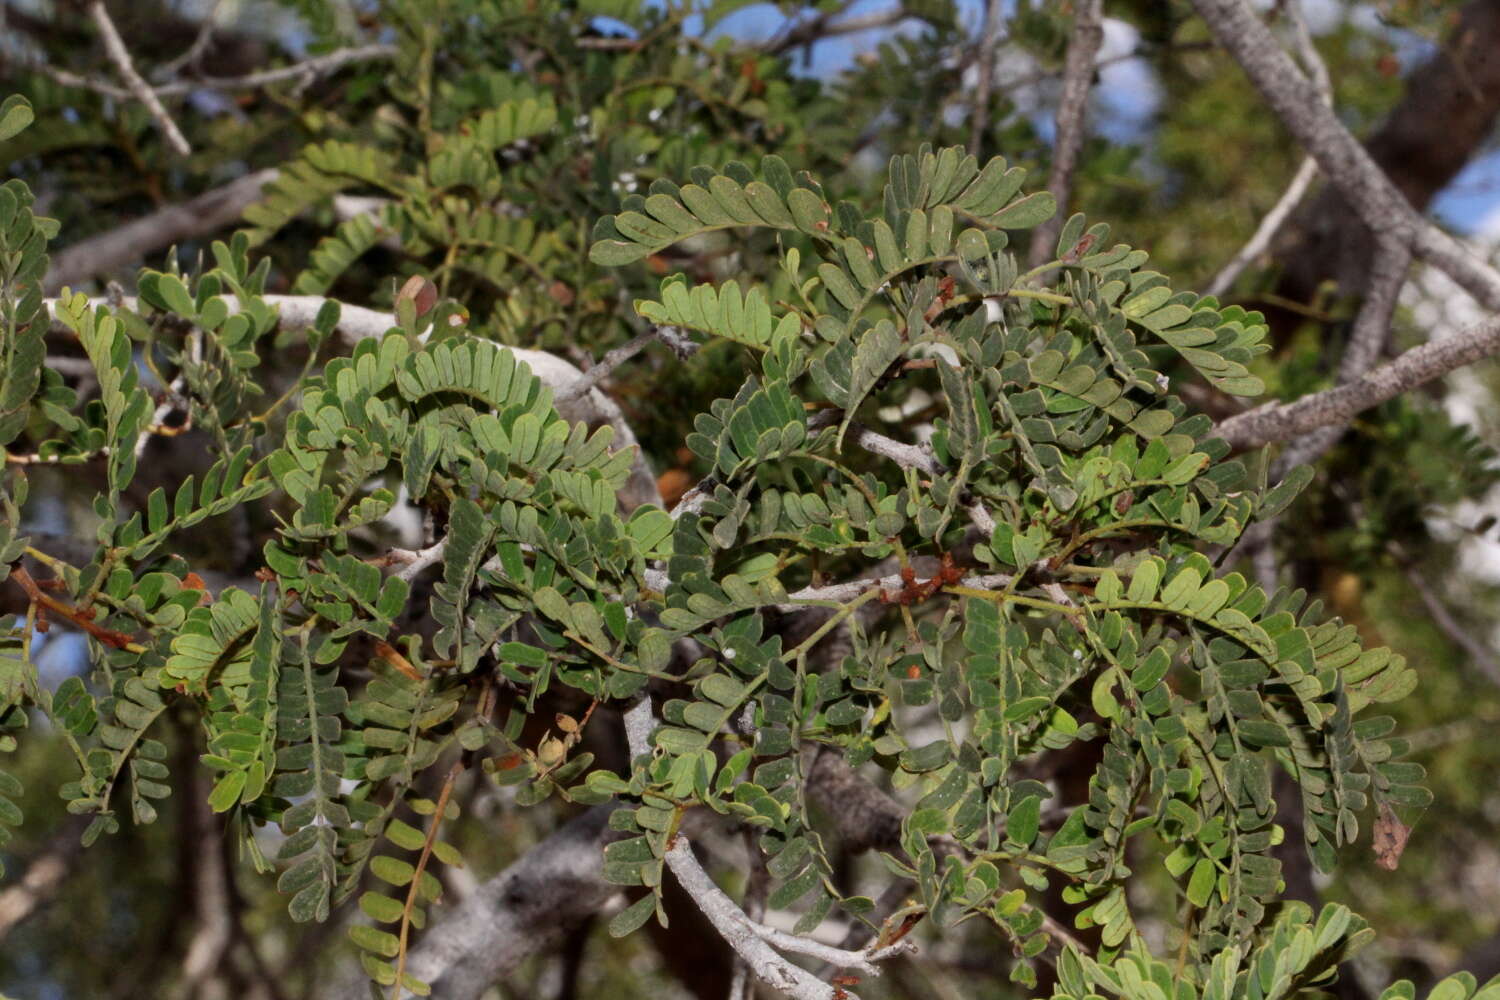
[[1038, 582]]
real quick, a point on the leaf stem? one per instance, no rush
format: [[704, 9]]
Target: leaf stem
[[1001, 595], [416, 879]]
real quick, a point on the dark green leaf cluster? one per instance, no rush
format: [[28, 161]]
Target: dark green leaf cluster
[[1094, 617]]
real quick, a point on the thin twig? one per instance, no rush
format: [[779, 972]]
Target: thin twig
[[70, 79], [753, 942], [908, 456], [419, 560], [841, 593], [194, 52], [608, 364], [1072, 110], [71, 367], [1421, 364], [306, 70], [1347, 164], [416, 879], [824, 26], [1366, 340], [989, 37], [1269, 226], [1479, 654], [78, 617], [593, 43], [1301, 180], [114, 47]]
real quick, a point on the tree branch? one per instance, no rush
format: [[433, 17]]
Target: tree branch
[[989, 36], [44, 875], [908, 456], [1479, 654], [1281, 421], [114, 47], [1301, 180], [209, 212], [306, 71], [527, 908], [1447, 113], [1072, 110], [1270, 225], [752, 942], [213, 926], [841, 593], [824, 26], [356, 323], [1371, 329], [617, 357], [1341, 158], [109, 251], [194, 52]]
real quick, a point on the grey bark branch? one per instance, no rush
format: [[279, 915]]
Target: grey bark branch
[[194, 52], [617, 357], [114, 47], [825, 26], [753, 942], [1262, 425], [109, 252], [305, 71], [989, 36], [1280, 421], [840, 593], [1370, 193], [298, 312], [1271, 224], [43, 877], [1072, 112], [1366, 341], [530, 906], [1446, 115], [908, 456], [1383, 208], [527, 908]]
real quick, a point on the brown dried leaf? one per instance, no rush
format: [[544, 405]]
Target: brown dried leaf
[[1390, 838]]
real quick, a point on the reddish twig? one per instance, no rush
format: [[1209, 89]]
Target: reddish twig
[[78, 617], [416, 879]]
